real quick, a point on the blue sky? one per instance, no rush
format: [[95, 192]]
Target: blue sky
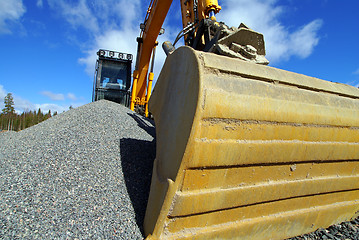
[[49, 46]]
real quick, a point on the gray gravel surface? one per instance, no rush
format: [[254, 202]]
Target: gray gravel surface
[[344, 231], [82, 174], [85, 174]]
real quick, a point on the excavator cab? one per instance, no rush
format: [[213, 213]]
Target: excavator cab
[[112, 77]]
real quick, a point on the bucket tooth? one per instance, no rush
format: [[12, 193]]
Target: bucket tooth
[[246, 151]]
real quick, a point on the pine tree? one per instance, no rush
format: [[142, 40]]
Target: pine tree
[[9, 104], [8, 112], [10, 120], [39, 116]]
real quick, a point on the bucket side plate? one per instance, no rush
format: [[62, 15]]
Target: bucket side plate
[[249, 151]]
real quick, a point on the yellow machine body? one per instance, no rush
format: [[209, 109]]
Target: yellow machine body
[[246, 151]]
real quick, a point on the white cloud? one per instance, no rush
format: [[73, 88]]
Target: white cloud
[[10, 13], [98, 17], [71, 96], [121, 34], [77, 14], [23, 105], [302, 42], [53, 96], [2, 92], [119, 29], [118, 40], [118, 20], [113, 26], [356, 72], [45, 107], [263, 16]]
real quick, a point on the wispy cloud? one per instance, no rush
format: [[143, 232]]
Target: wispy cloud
[[59, 96], [40, 3], [121, 32], [355, 80], [11, 12], [54, 96], [302, 42], [24, 105], [113, 40], [119, 21], [119, 27], [18, 102], [2, 93], [263, 16], [71, 96], [356, 83], [98, 17], [45, 107], [77, 14]]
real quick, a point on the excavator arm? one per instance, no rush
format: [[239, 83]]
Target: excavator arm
[[193, 11], [156, 14]]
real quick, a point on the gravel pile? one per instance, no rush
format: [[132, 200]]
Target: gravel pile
[[343, 231], [82, 174], [85, 174]]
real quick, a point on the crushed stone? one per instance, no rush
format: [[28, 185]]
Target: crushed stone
[[82, 174], [85, 174]]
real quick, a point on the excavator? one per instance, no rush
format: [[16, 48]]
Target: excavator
[[243, 150]]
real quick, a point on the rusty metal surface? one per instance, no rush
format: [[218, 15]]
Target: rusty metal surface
[[250, 152], [242, 43]]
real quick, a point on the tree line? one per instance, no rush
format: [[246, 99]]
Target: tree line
[[10, 120]]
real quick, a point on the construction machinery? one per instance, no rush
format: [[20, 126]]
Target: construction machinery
[[244, 151], [112, 77]]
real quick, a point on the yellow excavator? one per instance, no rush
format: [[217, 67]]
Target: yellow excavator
[[244, 151]]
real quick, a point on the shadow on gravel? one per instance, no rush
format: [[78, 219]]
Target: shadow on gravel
[[137, 158], [150, 129]]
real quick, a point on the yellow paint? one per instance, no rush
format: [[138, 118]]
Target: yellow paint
[[156, 14], [211, 5], [202, 179], [134, 89], [250, 152], [214, 219], [149, 89]]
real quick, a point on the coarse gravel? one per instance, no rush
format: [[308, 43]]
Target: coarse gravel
[[85, 174], [344, 231]]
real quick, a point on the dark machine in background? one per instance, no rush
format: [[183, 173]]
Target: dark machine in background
[[113, 77]]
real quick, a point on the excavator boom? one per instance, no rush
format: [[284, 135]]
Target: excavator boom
[[156, 14], [193, 11]]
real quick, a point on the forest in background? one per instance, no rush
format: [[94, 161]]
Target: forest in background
[[11, 121]]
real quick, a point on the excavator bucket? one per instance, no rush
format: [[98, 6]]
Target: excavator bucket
[[246, 151]]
